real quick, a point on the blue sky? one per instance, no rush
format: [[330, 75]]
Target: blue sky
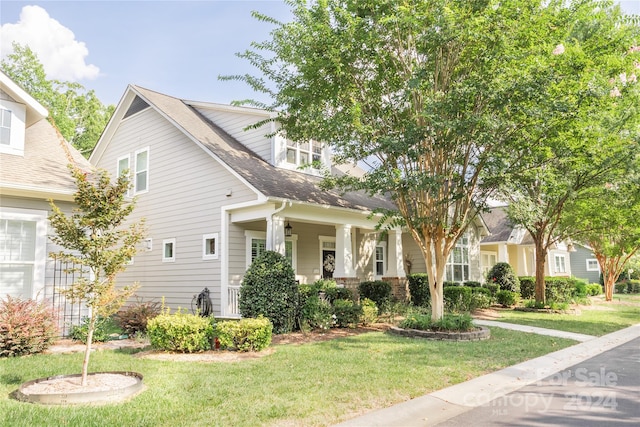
[[174, 47]]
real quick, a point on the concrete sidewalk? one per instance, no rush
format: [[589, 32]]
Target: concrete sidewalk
[[444, 404], [535, 330]]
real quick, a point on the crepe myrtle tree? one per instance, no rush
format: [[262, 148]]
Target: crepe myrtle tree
[[432, 96], [96, 237]]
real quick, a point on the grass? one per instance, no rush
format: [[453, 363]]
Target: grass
[[598, 319], [303, 385]]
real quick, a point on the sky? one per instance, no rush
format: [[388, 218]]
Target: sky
[[174, 47]]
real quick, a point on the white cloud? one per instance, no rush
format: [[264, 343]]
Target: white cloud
[[62, 56]]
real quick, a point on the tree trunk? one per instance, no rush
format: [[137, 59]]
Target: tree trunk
[[609, 283], [436, 260], [87, 351], [541, 257]]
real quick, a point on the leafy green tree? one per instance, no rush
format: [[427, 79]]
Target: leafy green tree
[[434, 96], [78, 114], [95, 237]]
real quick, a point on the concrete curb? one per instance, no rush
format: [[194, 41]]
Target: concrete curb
[[444, 404]]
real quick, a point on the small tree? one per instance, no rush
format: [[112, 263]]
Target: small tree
[[94, 237], [503, 275]]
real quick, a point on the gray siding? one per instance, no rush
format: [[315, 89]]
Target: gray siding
[[578, 261], [187, 188]]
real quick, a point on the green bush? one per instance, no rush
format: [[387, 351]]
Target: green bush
[[416, 320], [620, 288], [448, 283], [26, 327], [480, 300], [633, 286], [269, 288], [503, 275], [105, 326], [315, 314], [507, 298], [594, 289], [448, 322], [247, 334], [335, 293], [133, 319], [558, 289], [377, 291], [580, 288], [493, 288], [419, 288], [369, 312], [346, 313], [181, 332], [527, 287], [472, 284], [457, 298]]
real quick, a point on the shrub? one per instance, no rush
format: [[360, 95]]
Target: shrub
[[133, 318], [485, 291], [334, 293], [315, 314], [245, 335], [105, 326], [448, 283], [419, 288], [377, 291], [369, 312], [580, 288], [527, 287], [503, 275], [532, 303], [507, 298], [472, 284], [620, 288], [448, 322], [26, 327], [480, 300], [457, 298], [269, 288], [181, 332], [416, 320], [493, 288], [346, 313], [633, 286], [558, 289]]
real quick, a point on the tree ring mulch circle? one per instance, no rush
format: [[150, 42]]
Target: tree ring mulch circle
[[101, 388], [480, 333]]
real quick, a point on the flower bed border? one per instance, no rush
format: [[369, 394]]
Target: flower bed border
[[481, 333]]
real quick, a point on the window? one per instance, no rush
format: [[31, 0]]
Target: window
[[304, 153], [123, 166], [592, 265], [169, 250], [560, 266], [489, 259], [141, 183], [5, 127], [210, 246], [257, 244], [457, 269], [381, 260]]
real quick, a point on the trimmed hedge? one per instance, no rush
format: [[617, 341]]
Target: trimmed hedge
[[377, 291], [181, 332], [457, 298], [244, 335], [527, 287], [346, 313], [419, 289], [507, 298], [26, 327], [594, 289]]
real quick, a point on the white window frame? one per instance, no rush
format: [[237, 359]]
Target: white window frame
[[489, 254], [205, 238], [299, 151], [166, 242], [40, 255], [17, 127], [120, 171], [560, 267], [383, 246], [464, 244], [138, 171], [592, 260], [261, 235], [3, 125]]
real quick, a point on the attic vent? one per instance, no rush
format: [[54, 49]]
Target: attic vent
[[136, 106]]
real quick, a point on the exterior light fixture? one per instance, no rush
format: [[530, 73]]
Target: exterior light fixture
[[288, 229]]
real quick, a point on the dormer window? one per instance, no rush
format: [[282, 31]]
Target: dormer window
[[5, 127], [12, 127], [304, 153]]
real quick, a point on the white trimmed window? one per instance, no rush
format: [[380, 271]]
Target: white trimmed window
[[381, 260], [12, 127], [141, 176], [123, 166], [168, 250], [560, 263], [210, 246], [5, 126], [457, 268], [256, 242], [592, 265], [488, 260], [303, 153]]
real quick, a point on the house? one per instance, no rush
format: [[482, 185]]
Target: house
[[33, 169], [513, 244], [218, 186], [584, 264]]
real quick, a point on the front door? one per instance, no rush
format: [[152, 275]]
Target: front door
[[328, 264]]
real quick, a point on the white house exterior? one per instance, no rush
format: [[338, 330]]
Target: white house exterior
[[216, 194]]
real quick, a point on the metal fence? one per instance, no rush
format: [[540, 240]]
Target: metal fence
[[69, 313]]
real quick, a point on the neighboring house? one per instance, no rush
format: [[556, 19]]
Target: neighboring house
[[513, 244], [215, 194], [584, 264], [33, 170]]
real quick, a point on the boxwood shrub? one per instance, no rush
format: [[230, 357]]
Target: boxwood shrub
[[594, 289], [182, 332], [377, 291], [527, 286], [507, 298], [419, 289], [457, 298], [247, 334], [346, 312]]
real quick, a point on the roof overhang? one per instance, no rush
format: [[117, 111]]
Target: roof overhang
[[35, 192], [35, 110]]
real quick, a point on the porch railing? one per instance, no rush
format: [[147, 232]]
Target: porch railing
[[233, 294]]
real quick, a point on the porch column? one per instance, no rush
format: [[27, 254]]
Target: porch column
[[503, 253], [395, 264], [275, 234], [344, 253]]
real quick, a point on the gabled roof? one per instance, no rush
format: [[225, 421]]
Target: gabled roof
[[35, 110], [502, 229], [265, 179]]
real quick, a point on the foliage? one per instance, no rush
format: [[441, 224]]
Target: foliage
[[580, 288], [472, 284], [346, 313], [247, 334], [493, 288], [315, 313], [594, 289], [449, 322], [269, 288], [621, 288], [527, 287], [182, 332], [507, 298], [504, 276], [133, 318], [559, 289], [95, 237], [377, 291], [457, 299], [628, 287], [369, 311], [480, 299], [418, 288], [26, 326], [104, 327], [77, 113]]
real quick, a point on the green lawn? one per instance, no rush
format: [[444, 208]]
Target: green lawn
[[598, 319], [302, 385]]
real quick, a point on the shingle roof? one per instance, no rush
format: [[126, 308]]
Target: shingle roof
[[45, 160], [498, 224], [269, 180]]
